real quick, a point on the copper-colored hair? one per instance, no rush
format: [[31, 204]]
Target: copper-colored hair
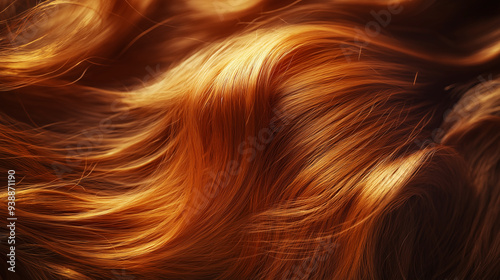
[[251, 139]]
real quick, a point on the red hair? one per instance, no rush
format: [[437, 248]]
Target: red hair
[[254, 140]]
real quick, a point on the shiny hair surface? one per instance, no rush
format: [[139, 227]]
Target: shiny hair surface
[[230, 139]]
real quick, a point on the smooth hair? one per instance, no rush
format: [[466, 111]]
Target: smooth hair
[[251, 139]]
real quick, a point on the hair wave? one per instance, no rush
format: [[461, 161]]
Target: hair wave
[[252, 139]]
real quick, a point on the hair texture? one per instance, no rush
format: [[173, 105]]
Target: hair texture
[[256, 139]]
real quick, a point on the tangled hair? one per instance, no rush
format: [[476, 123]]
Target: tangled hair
[[256, 139]]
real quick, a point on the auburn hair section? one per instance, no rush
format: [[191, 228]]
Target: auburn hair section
[[259, 139]]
